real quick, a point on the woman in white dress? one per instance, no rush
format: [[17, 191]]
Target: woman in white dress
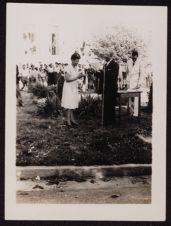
[[70, 95]]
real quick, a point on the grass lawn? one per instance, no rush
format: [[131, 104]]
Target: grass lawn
[[47, 141]]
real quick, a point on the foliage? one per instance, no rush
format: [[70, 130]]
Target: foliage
[[38, 90], [48, 103], [120, 41], [51, 107], [90, 107]]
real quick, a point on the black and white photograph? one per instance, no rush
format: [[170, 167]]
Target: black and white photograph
[[85, 112]]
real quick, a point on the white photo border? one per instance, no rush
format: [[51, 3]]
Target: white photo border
[[156, 211]]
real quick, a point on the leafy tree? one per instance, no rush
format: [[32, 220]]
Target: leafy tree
[[119, 40]]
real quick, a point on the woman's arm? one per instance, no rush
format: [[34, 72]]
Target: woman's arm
[[69, 79]]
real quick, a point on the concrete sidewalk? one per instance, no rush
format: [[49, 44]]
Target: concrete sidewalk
[[115, 190], [70, 172], [117, 184]]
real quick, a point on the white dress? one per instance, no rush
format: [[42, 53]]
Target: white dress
[[70, 95]]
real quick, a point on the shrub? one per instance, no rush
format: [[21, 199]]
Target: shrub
[[38, 90], [90, 107], [51, 107], [48, 102]]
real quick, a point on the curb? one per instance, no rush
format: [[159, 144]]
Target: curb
[[82, 172], [145, 139]]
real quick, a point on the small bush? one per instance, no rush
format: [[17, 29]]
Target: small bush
[[38, 90], [90, 107], [48, 102], [51, 106]]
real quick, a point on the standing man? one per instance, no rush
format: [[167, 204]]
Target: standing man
[[110, 78], [50, 72], [135, 79], [134, 71]]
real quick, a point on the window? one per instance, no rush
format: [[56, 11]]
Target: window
[[53, 44]]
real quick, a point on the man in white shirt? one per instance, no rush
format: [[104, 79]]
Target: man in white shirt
[[135, 78], [134, 71]]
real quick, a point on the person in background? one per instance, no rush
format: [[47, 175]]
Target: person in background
[[31, 73], [56, 73], [51, 74], [41, 67], [122, 78], [58, 79], [18, 94], [134, 71], [135, 79], [99, 78], [57, 68], [45, 67], [24, 76], [111, 71], [36, 72], [62, 69], [70, 95], [39, 77], [28, 70], [44, 78]]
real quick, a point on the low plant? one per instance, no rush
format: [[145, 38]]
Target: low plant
[[90, 107], [38, 90], [51, 105]]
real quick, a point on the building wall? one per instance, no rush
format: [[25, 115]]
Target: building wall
[[35, 43]]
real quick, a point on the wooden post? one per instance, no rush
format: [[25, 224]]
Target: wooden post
[[128, 106], [120, 108], [104, 75], [139, 107]]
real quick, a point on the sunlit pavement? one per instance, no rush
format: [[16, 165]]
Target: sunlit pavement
[[111, 190]]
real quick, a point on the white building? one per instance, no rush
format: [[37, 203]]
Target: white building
[[46, 43]]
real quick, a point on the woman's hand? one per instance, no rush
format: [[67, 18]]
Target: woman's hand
[[69, 79], [81, 75]]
